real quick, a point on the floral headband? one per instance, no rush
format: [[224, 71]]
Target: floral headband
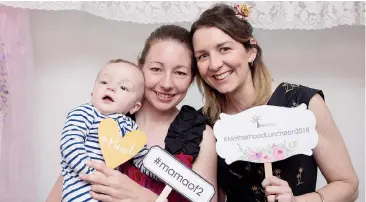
[[242, 11]]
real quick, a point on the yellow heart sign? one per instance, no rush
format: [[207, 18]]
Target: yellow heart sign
[[117, 149]]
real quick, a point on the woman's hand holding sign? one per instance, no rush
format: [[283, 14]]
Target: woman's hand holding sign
[[110, 185], [277, 190]]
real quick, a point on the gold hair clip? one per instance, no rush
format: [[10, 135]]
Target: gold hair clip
[[243, 11]]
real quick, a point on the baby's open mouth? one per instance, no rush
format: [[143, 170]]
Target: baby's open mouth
[[107, 99]]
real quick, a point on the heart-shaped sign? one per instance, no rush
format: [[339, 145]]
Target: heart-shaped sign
[[115, 148]]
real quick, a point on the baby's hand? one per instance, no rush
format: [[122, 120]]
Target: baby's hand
[[96, 173]]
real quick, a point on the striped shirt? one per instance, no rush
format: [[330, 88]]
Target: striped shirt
[[79, 142]]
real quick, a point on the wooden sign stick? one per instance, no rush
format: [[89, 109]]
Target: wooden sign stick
[[268, 169], [164, 194]]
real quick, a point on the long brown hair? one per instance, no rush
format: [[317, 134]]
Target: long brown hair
[[224, 18]]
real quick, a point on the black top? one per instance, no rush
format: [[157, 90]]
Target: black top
[[185, 132], [242, 180]]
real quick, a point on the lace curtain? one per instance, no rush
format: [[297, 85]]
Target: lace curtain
[[16, 157], [265, 15]]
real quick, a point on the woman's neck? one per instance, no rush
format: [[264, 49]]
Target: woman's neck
[[148, 117], [242, 98]]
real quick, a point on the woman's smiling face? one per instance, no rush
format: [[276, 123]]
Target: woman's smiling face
[[168, 74]]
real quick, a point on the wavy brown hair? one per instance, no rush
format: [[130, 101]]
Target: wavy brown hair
[[224, 18]]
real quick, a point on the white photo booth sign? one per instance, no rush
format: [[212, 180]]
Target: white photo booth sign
[[266, 134]]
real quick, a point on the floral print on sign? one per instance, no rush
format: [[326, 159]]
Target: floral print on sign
[[271, 153]]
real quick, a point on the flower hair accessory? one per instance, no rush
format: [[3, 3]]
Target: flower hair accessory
[[242, 11]]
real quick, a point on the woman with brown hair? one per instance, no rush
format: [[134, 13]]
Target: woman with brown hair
[[168, 65], [234, 78]]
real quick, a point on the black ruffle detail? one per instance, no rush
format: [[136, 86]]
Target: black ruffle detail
[[186, 131]]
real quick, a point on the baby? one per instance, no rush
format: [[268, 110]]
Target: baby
[[118, 90]]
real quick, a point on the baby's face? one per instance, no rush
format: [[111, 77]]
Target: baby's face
[[118, 89]]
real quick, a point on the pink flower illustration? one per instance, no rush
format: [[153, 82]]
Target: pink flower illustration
[[254, 155], [278, 153], [266, 158]]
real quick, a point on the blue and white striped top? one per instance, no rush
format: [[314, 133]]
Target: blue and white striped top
[[79, 142]]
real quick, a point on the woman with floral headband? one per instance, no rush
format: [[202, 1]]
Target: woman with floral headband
[[233, 78]]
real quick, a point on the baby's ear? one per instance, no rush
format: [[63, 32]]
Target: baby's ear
[[135, 108]]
